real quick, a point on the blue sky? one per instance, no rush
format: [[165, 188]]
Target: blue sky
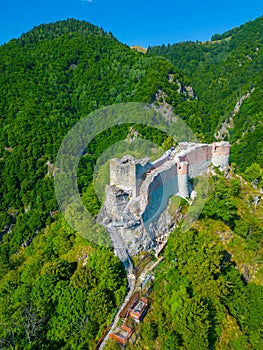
[[137, 22]]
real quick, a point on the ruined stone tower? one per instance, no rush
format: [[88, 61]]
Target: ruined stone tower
[[182, 174], [220, 154], [129, 173], [123, 174]]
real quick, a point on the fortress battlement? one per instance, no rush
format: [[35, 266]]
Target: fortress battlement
[[139, 190], [191, 159]]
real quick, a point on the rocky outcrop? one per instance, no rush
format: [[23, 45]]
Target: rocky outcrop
[[51, 169], [229, 123], [187, 91]]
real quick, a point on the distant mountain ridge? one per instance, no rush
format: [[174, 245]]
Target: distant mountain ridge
[[50, 31], [221, 72]]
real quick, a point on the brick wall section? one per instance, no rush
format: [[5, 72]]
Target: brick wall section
[[170, 172]]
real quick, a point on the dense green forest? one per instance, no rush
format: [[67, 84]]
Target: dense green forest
[[58, 291]]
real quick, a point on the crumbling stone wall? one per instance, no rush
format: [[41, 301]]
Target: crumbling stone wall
[[139, 190]]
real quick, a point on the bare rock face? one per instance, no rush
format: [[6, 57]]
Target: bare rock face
[[229, 123], [51, 169], [135, 234], [188, 91]]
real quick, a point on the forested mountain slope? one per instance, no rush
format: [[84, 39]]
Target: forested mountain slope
[[58, 291], [221, 72], [50, 78]]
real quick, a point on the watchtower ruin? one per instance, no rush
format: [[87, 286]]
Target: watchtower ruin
[[139, 191]]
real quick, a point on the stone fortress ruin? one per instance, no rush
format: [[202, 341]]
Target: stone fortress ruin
[[135, 212]]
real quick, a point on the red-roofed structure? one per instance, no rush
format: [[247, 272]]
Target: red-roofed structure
[[122, 335], [139, 310]]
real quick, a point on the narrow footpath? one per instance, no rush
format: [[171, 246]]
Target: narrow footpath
[[133, 285]]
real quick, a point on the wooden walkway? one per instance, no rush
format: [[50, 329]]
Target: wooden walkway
[[134, 298]]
